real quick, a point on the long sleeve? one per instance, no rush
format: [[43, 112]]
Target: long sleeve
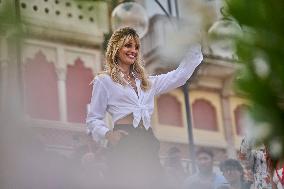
[[96, 114], [176, 78]]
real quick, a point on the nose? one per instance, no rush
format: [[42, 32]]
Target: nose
[[133, 50]]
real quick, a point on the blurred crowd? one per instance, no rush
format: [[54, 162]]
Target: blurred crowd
[[27, 164]]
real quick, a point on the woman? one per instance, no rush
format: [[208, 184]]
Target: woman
[[127, 93]]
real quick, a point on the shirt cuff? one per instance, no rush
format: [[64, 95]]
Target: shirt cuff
[[99, 134]]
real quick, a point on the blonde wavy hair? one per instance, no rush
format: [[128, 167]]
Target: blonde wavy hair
[[117, 40]]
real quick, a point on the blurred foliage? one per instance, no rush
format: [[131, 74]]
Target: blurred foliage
[[10, 23], [261, 51]]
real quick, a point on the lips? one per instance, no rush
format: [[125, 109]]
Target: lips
[[131, 56]]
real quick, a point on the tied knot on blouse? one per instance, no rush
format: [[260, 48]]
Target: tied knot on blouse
[[141, 111]]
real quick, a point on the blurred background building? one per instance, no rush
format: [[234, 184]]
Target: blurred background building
[[62, 50]]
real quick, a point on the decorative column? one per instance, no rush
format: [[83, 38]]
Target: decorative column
[[61, 84], [227, 119]]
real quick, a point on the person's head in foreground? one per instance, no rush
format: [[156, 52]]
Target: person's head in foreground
[[233, 172]]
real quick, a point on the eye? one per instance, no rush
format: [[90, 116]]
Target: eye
[[128, 45], [137, 47]]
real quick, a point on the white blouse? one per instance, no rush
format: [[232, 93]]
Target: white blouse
[[120, 101]]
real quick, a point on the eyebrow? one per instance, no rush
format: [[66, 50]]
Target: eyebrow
[[131, 38], [130, 43]]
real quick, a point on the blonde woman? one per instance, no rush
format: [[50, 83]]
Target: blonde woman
[[127, 93]]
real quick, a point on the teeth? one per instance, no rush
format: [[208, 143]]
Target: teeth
[[131, 56]]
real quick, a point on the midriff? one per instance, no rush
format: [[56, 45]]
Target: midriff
[[126, 120]]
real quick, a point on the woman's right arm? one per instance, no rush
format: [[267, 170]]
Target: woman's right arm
[[178, 77], [96, 125]]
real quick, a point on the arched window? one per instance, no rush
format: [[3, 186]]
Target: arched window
[[169, 110], [239, 115], [40, 88], [204, 115], [78, 91]]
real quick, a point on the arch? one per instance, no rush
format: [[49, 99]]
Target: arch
[[40, 88], [169, 110], [204, 115], [78, 91]]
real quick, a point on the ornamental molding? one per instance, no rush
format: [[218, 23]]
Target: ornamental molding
[[83, 22]]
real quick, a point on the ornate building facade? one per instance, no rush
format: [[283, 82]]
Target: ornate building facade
[[61, 51]]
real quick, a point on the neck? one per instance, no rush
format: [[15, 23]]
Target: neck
[[124, 68]]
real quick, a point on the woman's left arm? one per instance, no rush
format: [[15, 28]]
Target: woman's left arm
[[176, 78]]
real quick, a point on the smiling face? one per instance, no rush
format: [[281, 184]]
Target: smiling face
[[128, 53], [123, 54]]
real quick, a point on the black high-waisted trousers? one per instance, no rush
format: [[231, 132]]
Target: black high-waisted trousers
[[134, 162]]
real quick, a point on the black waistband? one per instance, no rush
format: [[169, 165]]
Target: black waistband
[[130, 128]]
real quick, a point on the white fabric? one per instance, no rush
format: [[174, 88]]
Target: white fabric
[[120, 101]]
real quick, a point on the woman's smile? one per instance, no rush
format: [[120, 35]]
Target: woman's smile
[[128, 52]]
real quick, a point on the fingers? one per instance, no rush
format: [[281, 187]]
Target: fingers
[[115, 136]]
